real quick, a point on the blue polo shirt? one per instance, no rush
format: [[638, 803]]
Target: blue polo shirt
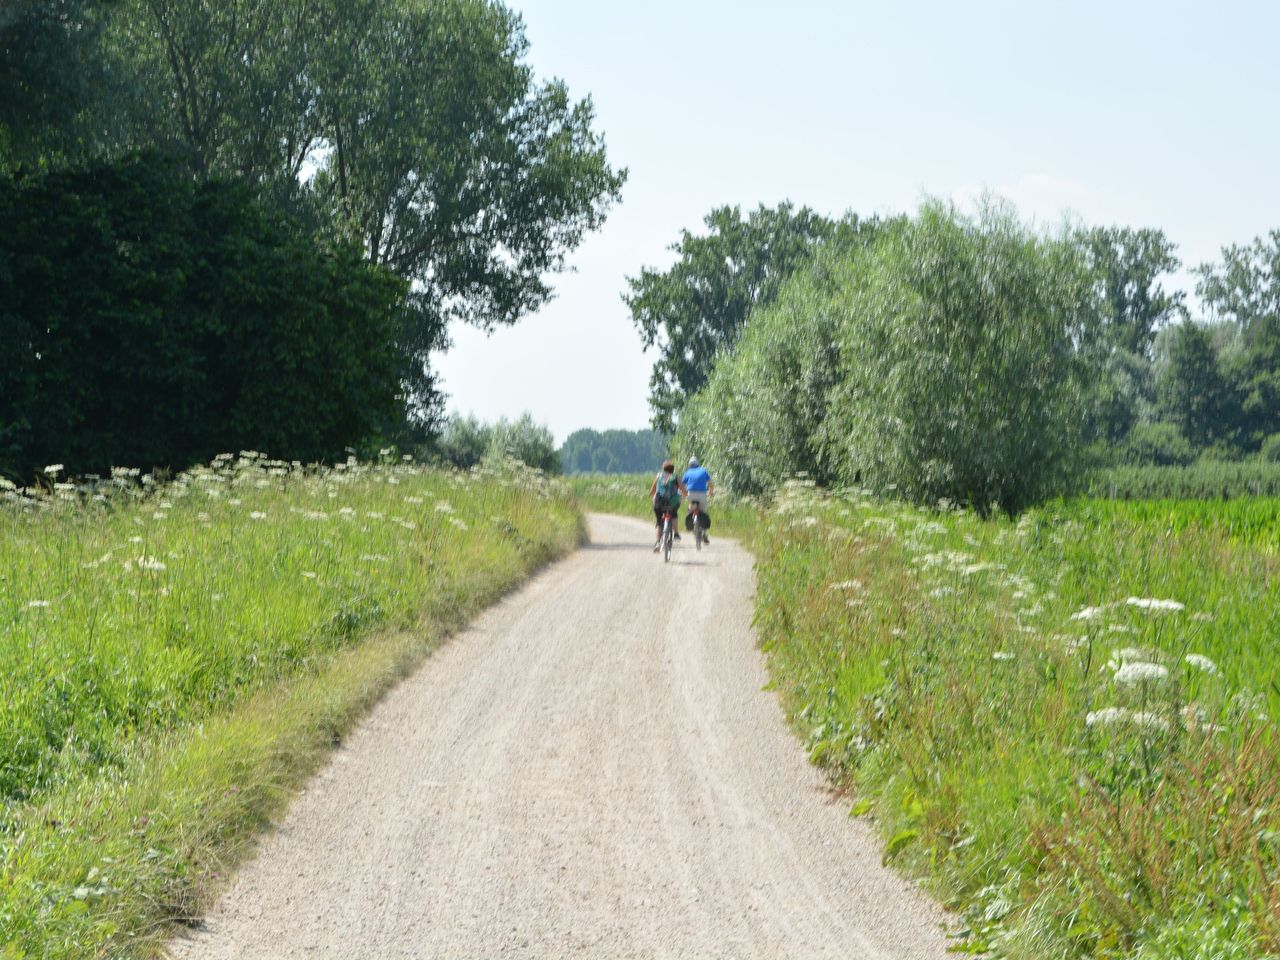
[[696, 479]]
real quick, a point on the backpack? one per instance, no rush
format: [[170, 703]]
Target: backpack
[[667, 492]]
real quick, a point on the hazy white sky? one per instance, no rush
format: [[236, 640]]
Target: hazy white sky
[[1140, 113]]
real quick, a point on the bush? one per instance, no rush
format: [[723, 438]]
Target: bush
[[1157, 444], [1270, 452], [150, 320]]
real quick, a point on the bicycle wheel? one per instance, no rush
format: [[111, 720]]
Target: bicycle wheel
[[668, 538], [697, 531]]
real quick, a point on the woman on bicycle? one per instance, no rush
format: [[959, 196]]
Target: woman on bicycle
[[665, 492]]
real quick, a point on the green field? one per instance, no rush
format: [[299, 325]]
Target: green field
[[1067, 721], [176, 658]]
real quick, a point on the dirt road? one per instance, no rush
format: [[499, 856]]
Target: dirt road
[[591, 770]]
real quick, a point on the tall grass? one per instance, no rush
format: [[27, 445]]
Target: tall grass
[[1068, 721], [174, 658]]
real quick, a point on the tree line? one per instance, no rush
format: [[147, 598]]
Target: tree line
[[945, 356], [331, 182]]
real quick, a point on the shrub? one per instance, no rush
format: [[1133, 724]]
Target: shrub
[[1158, 444], [150, 320], [1270, 452]]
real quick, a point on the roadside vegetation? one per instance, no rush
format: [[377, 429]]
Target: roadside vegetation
[[176, 657], [627, 495], [1066, 720]]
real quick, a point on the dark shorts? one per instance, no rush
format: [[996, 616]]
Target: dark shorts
[[658, 511]]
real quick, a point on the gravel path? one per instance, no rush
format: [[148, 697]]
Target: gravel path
[[590, 770]]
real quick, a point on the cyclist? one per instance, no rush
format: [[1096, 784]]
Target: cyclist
[[665, 492], [698, 486]]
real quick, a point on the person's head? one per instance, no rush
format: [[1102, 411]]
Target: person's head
[[693, 462], [668, 466]]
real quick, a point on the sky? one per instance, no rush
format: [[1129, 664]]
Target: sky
[[1144, 114]]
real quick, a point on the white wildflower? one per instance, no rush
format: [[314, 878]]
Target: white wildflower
[[1088, 613], [53, 469], [846, 585], [1149, 603], [937, 593], [1108, 717], [150, 563], [37, 604], [1201, 662], [257, 515], [309, 574], [1002, 655], [1133, 673], [135, 539], [460, 524]]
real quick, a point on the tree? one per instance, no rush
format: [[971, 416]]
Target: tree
[[1193, 392], [938, 361], [694, 311], [612, 451], [52, 68], [147, 319], [1244, 291], [1127, 265], [429, 139]]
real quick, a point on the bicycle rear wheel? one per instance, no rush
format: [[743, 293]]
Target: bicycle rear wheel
[[668, 538]]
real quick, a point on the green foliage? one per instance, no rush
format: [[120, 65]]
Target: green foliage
[[612, 451], [939, 361], [466, 442], [150, 320], [176, 659], [1193, 392], [693, 312], [1084, 771], [429, 138], [1127, 265], [1203, 480], [1270, 450], [1157, 444], [53, 72]]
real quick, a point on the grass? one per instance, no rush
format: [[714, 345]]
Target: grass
[[1082, 772], [177, 659]]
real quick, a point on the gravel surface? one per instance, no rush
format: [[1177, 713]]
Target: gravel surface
[[592, 769]]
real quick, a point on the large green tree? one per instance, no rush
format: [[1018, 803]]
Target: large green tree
[[417, 125], [148, 319], [693, 311]]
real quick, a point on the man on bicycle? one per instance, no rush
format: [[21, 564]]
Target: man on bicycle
[[698, 487], [665, 492]]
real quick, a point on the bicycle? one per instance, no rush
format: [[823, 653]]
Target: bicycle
[[668, 533], [695, 518]]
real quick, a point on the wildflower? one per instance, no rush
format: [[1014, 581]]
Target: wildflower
[[258, 515], [309, 574], [1002, 655], [135, 539], [939, 592], [37, 604], [460, 524], [846, 585], [1132, 673], [150, 563], [53, 469], [1088, 613], [1201, 662], [1148, 603]]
